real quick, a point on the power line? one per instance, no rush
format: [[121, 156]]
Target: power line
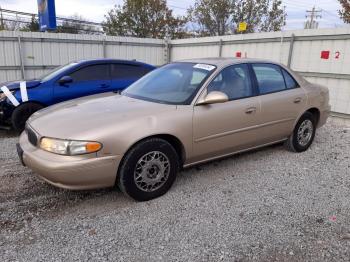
[[20, 18], [58, 17], [64, 27], [331, 14], [297, 5], [178, 7]]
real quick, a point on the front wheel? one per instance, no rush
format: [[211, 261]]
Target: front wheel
[[148, 170], [21, 114], [303, 134]]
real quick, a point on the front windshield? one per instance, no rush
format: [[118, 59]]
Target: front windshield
[[57, 71], [175, 83]]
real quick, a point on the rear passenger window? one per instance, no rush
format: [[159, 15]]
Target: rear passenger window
[[270, 78], [91, 73], [290, 82], [123, 71]]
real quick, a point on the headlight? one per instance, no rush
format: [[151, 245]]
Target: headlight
[[3, 96], [69, 147]]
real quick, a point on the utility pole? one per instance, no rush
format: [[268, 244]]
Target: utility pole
[[282, 36], [313, 15], [2, 26]]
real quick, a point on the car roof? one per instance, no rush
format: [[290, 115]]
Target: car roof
[[108, 60], [224, 61]]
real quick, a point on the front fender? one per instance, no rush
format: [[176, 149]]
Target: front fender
[[119, 138]]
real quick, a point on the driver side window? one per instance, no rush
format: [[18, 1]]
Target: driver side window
[[91, 73], [234, 81]]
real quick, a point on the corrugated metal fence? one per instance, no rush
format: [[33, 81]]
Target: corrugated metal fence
[[300, 49], [31, 54]]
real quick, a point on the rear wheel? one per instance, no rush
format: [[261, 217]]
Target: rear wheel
[[303, 134], [148, 170], [21, 114]]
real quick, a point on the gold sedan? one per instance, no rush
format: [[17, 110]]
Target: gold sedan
[[179, 115]]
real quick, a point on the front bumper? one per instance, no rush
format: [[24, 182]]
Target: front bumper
[[70, 172]]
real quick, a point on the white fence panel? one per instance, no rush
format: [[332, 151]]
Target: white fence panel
[[144, 50], [248, 45], [41, 52]]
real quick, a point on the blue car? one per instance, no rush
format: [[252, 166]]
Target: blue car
[[20, 99]]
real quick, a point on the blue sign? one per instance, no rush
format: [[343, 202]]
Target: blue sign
[[47, 15]]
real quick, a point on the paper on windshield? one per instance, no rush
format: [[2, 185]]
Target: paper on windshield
[[204, 67]]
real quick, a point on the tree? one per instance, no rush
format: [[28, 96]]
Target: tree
[[345, 12], [275, 19], [33, 26], [220, 17], [144, 18], [260, 15], [213, 17]]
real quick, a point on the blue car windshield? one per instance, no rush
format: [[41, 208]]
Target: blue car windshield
[[175, 83], [57, 71]]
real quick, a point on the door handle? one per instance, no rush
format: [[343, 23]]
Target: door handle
[[297, 100], [250, 110], [104, 85]]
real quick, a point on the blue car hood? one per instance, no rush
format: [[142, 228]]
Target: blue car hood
[[16, 84]]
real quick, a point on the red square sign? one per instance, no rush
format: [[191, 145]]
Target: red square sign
[[238, 54], [325, 54]]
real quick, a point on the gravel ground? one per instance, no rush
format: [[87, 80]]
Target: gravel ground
[[266, 205]]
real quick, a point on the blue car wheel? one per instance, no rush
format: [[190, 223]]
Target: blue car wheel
[[21, 114]]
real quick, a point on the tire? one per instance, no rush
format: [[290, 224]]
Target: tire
[[21, 114], [306, 127], [151, 163]]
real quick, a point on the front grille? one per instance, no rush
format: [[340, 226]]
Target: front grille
[[32, 136]]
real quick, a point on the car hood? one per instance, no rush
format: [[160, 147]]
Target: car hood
[[84, 118], [14, 85]]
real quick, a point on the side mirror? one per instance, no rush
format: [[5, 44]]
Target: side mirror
[[214, 97], [65, 80]]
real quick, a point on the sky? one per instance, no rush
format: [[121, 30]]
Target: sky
[[94, 10]]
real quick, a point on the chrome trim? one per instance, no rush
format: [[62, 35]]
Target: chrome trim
[[242, 130], [233, 153], [305, 132], [152, 171], [31, 129]]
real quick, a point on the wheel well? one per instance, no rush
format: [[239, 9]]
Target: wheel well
[[34, 102], [172, 140], [315, 112], [177, 144]]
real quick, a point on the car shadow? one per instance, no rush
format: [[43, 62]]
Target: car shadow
[[8, 133]]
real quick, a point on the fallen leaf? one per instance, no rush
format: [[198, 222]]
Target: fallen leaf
[[333, 218], [92, 232]]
